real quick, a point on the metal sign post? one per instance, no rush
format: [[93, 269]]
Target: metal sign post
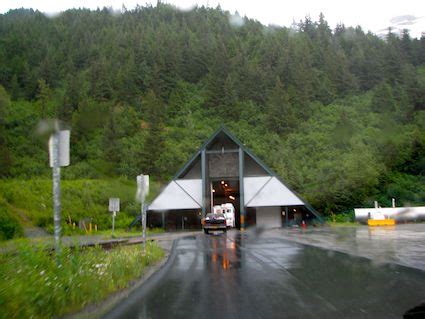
[[142, 192], [113, 222], [114, 207], [59, 156], [144, 225]]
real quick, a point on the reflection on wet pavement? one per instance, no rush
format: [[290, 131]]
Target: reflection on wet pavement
[[240, 275], [401, 244]]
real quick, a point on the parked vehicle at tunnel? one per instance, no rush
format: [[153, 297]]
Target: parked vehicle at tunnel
[[228, 210], [213, 222]]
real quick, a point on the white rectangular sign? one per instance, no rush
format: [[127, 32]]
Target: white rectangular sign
[[114, 204], [142, 187], [63, 148]]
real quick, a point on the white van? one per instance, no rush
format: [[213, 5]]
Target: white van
[[228, 210]]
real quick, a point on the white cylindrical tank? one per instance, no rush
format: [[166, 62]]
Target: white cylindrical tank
[[397, 213]]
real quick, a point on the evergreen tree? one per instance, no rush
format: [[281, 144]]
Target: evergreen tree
[[43, 97], [5, 156], [383, 100], [153, 111], [280, 115], [344, 131], [216, 78], [111, 145]]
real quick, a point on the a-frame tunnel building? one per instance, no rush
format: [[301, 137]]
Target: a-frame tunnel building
[[225, 171]]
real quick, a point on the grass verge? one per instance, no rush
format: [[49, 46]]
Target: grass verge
[[48, 241], [123, 233], [343, 224], [32, 285]]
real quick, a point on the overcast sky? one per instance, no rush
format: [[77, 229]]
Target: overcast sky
[[370, 14]]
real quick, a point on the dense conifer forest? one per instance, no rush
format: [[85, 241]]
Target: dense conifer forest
[[338, 113]]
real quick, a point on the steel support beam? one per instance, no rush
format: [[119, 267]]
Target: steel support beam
[[204, 176], [286, 216], [163, 220], [241, 189], [222, 151]]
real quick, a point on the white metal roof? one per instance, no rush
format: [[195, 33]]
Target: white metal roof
[[179, 194], [268, 191]]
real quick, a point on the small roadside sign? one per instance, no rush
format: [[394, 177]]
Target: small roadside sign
[[114, 204], [114, 207], [142, 187], [63, 148]]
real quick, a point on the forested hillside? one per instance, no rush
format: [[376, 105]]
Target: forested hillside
[[339, 114]]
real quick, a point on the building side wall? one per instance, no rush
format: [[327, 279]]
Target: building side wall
[[223, 165], [194, 172], [252, 168]]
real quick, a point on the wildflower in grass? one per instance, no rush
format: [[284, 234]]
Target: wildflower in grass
[[75, 285]]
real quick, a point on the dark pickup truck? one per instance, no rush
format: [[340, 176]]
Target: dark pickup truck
[[213, 222]]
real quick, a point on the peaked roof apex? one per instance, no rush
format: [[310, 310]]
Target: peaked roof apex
[[221, 129]]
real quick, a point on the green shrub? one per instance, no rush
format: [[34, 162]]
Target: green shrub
[[9, 224], [341, 217]]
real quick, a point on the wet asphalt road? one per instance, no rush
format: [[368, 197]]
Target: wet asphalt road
[[238, 275]]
